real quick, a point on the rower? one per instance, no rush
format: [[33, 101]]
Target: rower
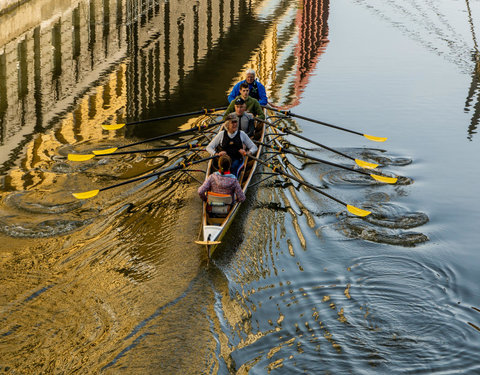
[[253, 106], [232, 142], [222, 186], [257, 90], [245, 119]]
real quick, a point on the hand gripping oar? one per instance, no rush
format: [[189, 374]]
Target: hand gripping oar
[[202, 111], [289, 113], [352, 209], [381, 178], [182, 165], [83, 157], [360, 163], [189, 146]]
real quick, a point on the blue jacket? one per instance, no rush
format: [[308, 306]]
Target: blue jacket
[[257, 91]]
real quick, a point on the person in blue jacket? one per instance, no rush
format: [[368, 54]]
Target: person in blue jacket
[[257, 90]]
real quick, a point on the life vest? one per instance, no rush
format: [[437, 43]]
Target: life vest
[[231, 145], [254, 90]]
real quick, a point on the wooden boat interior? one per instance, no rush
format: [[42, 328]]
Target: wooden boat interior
[[244, 178]]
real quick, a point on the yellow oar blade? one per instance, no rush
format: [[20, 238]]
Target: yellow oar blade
[[86, 194], [112, 126], [106, 151], [357, 211], [365, 164], [375, 139], [387, 180], [79, 157], [208, 243]]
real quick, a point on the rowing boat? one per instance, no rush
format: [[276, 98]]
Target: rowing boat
[[214, 227]]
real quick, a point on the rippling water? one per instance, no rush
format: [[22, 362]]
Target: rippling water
[[115, 284]]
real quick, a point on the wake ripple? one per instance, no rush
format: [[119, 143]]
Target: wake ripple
[[392, 219], [47, 228], [411, 312], [39, 202]]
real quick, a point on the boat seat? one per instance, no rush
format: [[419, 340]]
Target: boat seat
[[218, 205]]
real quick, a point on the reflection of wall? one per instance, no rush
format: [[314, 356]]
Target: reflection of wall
[[312, 41], [186, 32], [79, 125], [52, 52], [55, 55]]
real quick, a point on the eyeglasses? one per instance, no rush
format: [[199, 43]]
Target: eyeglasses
[[234, 121]]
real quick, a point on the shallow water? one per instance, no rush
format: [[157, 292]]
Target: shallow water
[[115, 284]]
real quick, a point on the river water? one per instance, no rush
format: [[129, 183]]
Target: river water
[[115, 284]]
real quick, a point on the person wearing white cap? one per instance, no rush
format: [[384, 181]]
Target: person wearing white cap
[[245, 119], [257, 90]]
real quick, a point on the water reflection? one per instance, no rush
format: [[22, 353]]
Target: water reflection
[[430, 25], [72, 51], [126, 286], [110, 256], [474, 91], [474, 97]]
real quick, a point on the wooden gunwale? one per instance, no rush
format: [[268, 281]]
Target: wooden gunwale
[[224, 223]]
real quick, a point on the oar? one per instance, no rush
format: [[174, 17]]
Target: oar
[[202, 111], [183, 164], [289, 113], [381, 178], [189, 146], [83, 157], [360, 163], [352, 209]]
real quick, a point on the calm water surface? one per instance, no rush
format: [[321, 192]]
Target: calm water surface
[[115, 284]]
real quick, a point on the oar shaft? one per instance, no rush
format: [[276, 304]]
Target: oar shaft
[[169, 169], [281, 149], [289, 113], [325, 123], [189, 146], [180, 132], [285, 130], [205, 111], [282, 172]]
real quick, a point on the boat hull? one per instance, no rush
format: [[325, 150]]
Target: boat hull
[[213, 230]]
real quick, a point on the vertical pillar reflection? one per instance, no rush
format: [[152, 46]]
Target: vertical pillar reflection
[[156, 70], [37, 76], [166, 66], [181, 50], [76, 41], [106, 25], [3, 96], [119, 21], [196, 31], [57, 59], [92, 33], [22, 78], [209, 25], [132, 50]]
